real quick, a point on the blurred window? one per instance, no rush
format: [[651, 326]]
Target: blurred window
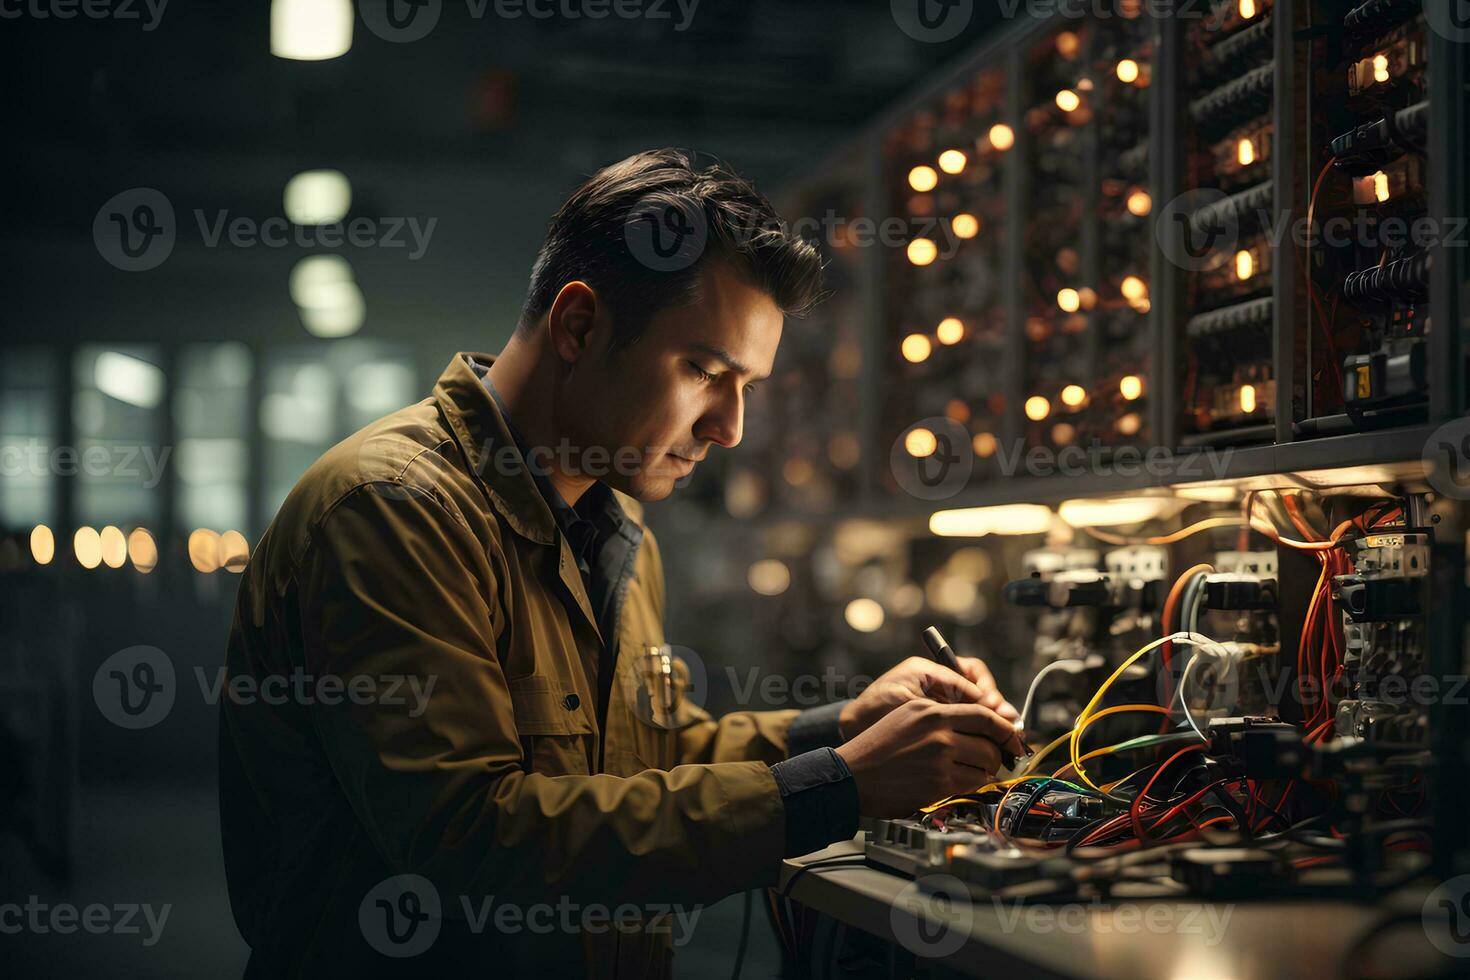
[[28, 436], [117, 415], [316, 395], [212, 420]]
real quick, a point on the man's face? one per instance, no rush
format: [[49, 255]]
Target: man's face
[[680, 390]]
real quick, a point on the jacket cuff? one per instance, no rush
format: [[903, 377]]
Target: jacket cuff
[[815, 728], [821, 800]]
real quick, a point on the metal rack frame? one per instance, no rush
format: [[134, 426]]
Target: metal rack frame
[[1449, 300]]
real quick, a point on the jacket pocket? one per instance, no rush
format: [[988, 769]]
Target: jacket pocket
[[653, 708], [553, 725]]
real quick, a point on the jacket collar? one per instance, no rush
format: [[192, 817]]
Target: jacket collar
[[495, 461]]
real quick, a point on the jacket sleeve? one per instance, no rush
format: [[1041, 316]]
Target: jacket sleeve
[[397, 585]]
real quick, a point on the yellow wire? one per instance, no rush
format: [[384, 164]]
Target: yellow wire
[[1188, 639], [1204, 525]]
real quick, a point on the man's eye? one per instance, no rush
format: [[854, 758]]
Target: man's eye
[[703, 374]]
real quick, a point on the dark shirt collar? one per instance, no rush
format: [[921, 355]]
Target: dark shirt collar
[[582, 523]]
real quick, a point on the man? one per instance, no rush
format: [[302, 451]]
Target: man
[[550, 794]]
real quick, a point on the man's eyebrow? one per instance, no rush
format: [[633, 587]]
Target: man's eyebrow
[[729, 360]]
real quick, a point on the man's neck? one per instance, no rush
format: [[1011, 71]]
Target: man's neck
[[529, 385]]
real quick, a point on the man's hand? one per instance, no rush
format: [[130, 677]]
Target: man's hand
[[924, 679], [923, 751]]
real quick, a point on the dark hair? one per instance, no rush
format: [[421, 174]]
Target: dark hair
[[613, 232]]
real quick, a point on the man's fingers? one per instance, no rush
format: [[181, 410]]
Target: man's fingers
[[976, 719], [980, 674], [977, 752], [943, 684], [976, 671]]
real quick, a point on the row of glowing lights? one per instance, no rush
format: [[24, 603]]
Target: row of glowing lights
[[209, 551], [772, 577], [921, 442]]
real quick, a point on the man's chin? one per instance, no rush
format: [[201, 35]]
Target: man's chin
[[648, 488]]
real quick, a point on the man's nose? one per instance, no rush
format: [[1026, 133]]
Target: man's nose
[[722, 424]]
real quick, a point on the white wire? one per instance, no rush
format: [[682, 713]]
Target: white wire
[[1216, 648], [1184, 702], [1075, 666]]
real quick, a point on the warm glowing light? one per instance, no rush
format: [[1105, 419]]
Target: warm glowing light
[[1068, 100], [1380, 186], [950, 330], [1380, 68], [1210, 494], [1247, 9], [1133, 289], [311, 30], [1140, 204], [916, 348], [1002, 137], [798, 471], [43, 544], [975, 522], [1073, 395], [953, 161], [864, 615], [1247, 398], [920, 442], [768, 577], [1129, 424], [965, 226], [114, 546], [1069, 300], [142, 550], [1245, 152], [923, 179], [1245, 265], [922, 251], [1068, 44], [985, 444], [1117, 512], [1131, 387], [1037, 408], [87, 544], [1128, 71], [1063, 433], [204, 550]]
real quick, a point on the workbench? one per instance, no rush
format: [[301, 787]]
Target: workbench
[[1129, 940]]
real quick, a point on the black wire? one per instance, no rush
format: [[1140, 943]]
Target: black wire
[[837, 859], [744, 937]]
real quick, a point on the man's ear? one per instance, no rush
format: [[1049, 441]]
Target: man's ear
[[571, 318]]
